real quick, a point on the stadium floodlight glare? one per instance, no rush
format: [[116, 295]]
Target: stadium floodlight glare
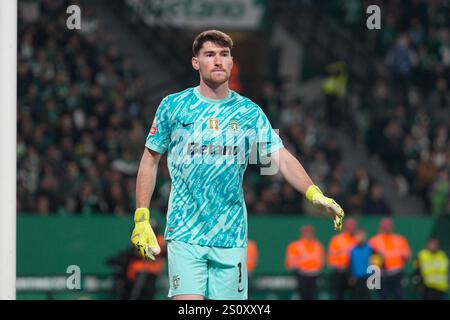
[[8, 120]]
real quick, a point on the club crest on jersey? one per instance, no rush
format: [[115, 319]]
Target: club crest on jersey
[[153, 128], [214, 124], [234, 125], [175, 282]]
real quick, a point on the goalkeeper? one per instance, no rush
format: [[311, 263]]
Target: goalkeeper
[[208, 132]]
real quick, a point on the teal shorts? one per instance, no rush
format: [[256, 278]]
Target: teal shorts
[[212, 272]]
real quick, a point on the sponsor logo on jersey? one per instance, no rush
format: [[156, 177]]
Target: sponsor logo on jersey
[[212, 149]]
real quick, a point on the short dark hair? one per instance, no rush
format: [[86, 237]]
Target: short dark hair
[[214, 36]]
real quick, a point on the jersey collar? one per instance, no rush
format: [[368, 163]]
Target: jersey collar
[[205, 99]]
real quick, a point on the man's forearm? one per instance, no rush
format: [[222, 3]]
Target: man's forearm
[[296, 176], [146, 179], [293, 171]]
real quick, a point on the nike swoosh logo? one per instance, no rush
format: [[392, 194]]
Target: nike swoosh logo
[[187, 124], [240, 290]]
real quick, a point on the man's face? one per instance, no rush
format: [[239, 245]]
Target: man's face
[[214, 63], [386, 225], [350, 225], [433, 245], [361, 237]]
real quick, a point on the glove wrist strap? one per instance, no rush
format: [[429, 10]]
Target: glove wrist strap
[[311, 192], [141, 215]]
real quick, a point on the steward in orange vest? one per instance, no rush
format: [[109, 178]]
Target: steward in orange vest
[[151, 267], [252, 256], [306, 257], [252, 261], [339, 250], [394, 252]]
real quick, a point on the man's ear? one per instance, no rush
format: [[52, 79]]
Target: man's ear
[[195, 63]]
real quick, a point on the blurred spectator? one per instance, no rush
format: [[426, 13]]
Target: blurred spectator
[[440, 193], [376, 203], [43, 206], [306, 258], [432, 265], [360, 258], [359, 187], [290, 200], [89, 201], [143, 275], [134, 277], [335, 88], [395, 252], [402, 59], [339, 250]]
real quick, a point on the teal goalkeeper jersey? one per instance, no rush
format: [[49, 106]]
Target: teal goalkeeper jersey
[[209, 144]]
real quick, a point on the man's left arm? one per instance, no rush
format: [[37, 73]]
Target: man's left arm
[[294, 173]]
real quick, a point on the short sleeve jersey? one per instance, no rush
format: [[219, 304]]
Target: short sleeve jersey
[[209, 144]]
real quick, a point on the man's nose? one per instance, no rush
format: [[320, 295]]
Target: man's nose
[[217, 60]]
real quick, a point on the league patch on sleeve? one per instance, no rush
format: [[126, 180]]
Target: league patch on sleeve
[[153, 129]]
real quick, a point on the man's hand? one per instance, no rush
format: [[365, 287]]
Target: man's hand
[[143, 237], [328, 205]]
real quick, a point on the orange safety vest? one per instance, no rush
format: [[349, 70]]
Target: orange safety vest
[[252, 256], [307, 256], [339, 250], [393, 248], [141, 265], [234, 81]]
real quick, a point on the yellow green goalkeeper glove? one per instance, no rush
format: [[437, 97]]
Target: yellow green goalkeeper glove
[[316, 197], [143, 237]]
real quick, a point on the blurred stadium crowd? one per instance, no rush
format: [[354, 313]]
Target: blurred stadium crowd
[[409, 106], [83, 117], [80, 120]]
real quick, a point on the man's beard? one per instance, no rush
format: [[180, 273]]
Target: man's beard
[[214, 83]]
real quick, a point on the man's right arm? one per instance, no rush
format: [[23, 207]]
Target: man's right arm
[[143, 236], [146, 178]]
